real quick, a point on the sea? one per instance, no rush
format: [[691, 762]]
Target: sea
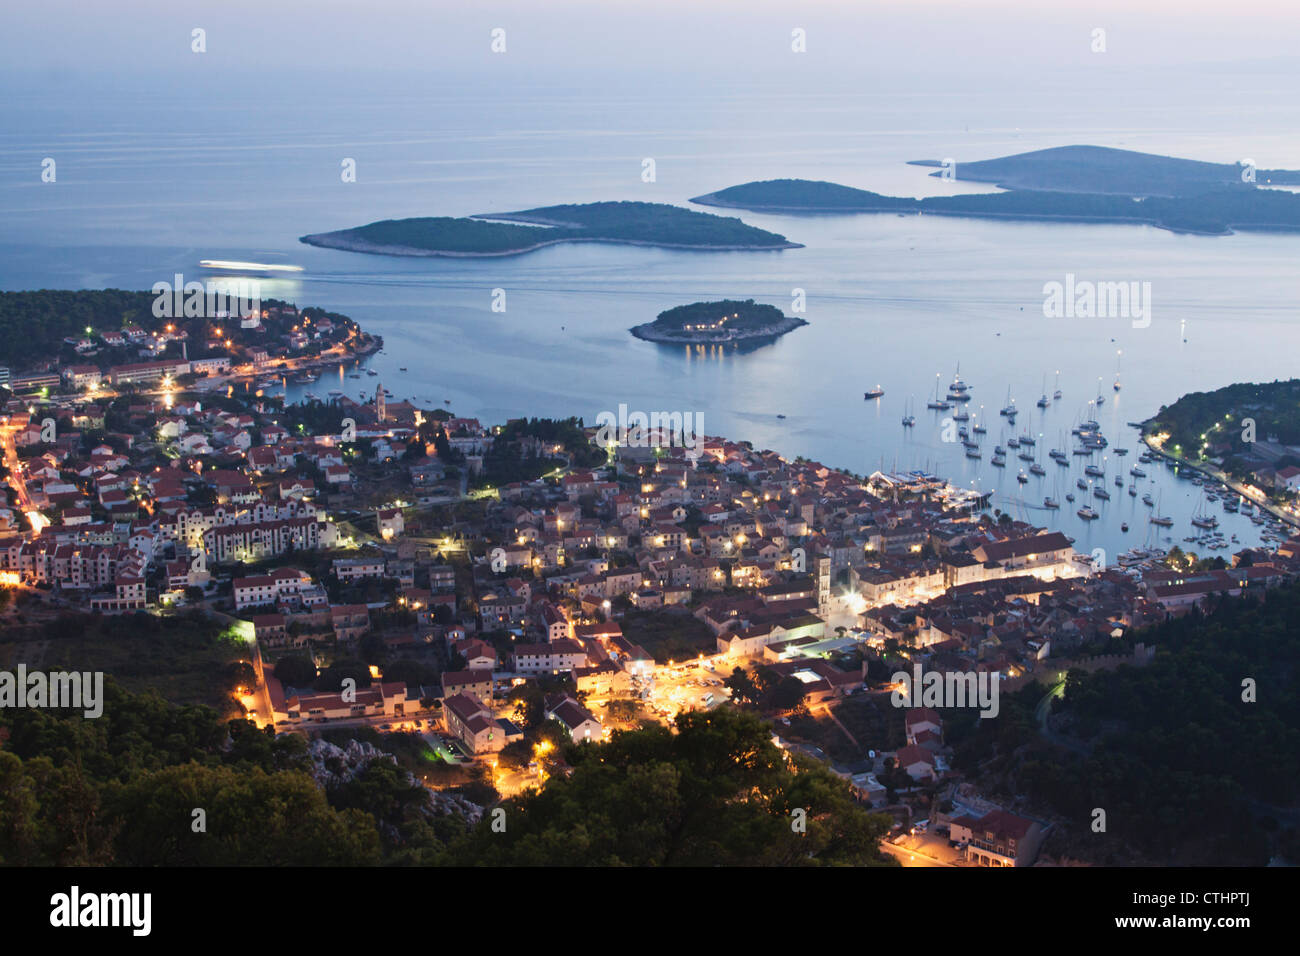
[[150, 180]]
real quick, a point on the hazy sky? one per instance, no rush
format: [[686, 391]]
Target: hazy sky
[[56, 40]]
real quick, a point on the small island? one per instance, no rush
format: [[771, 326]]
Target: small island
[[728, 322], [513, 233]]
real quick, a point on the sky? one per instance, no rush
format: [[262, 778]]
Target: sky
[[139, 41]]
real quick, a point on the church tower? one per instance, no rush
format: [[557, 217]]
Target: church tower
[[381, 412]]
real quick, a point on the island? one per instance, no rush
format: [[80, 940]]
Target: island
[[727, 322], [513, 233], [1069, 184]]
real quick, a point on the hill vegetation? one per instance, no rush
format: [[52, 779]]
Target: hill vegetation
[[642, 223]]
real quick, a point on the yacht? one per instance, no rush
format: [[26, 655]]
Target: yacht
[[1037, 469], [909, 421], [868, 394], [1137, 472], [980, 430], [961, 415], [1028, 440], [997, 461], [1102, 493], [1147, 500], [1119, 481], [1070, 497], [1095, 471], [1162, 521], [972, 452], [1087, 514], [1013, 442], [1081, 484], [1026, 455], [1022, 478], [1051, 503]]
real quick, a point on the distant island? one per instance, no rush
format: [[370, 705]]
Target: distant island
[[1069, 184], [512, 233], [728, 322], [1106, 171]]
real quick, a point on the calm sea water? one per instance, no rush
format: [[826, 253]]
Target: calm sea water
[[148, 186]]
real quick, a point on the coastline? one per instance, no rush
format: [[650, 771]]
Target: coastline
[[326, 240], [648, 333], [711, 199]]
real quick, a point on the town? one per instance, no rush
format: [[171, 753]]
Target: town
[[508, 588]]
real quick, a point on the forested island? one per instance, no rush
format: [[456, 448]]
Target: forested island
[[1072, 184], [512, 233], [725, 322]]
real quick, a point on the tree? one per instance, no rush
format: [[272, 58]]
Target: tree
[[295, 670], [717, 793], [742, 686]]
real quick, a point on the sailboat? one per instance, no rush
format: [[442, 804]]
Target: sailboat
[[908, 418], [937, 403], [1201, 518], [1057, 394], [1009, 409], [1101, 399], [1118, 354], [1163, 521], [1043, 402]]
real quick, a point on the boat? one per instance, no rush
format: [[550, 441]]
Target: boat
[[1009, 409], [1026, 456], [1070, 497], [1051, 503], [1095, 471], [1043, 402], [972, 452], [402, 368], [908, 420], [1081, 484], [1162, 521], [1057, 394], [1147, 500], [1037, 469], [1117, 385], [980, 430], [1247, 508], [1028, 440], [960, 415], [1022, 477], [1087, 514], [1206, 521], [997, 461], [1137, 472], [1132, 491], [868, 394], [1119, 481], [1013, 442], [1121, 451], [1123, 526], [1102, 493], [999, 450], [371, 371], [782, 416]]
